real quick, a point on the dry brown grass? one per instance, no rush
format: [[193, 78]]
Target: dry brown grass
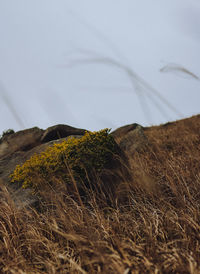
[[156, 230]]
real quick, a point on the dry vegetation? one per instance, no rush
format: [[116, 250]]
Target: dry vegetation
[[156, 229]]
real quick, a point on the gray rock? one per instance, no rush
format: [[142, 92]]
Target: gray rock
[[60, 131], [23, 140], [130, 138], [122, 131], [18, 147]]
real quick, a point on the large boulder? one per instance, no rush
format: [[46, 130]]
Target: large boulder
[[22, 197], [18, 147], [131, 138], [23, 140], [27, 139], [60, 131]]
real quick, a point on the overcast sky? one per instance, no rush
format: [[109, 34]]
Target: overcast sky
[[96, 64]]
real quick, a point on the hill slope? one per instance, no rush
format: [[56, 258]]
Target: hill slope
[[151, 226]]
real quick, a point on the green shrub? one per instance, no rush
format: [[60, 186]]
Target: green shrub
[[82, 156]]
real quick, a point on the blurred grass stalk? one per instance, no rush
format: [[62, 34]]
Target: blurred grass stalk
[[142, 89], [8, 102]]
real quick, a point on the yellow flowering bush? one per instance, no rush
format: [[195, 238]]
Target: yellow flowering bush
[[82, 156]]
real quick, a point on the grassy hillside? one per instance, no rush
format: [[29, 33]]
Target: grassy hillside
[[152, 227]]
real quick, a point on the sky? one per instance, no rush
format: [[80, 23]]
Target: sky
[[98, 64]]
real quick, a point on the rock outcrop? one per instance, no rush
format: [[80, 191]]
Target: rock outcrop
[[131, 138], [18, 147], [60, 131], [23, 140]]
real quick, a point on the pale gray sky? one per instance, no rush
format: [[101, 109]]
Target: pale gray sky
[[40, 39]]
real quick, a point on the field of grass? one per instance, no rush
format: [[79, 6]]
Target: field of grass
[[152, 228]]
